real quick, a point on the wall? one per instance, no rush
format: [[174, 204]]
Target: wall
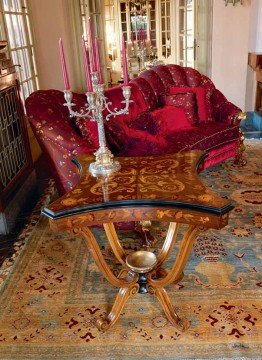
[[52, 19], [254, 46], [255, 32], [230, 49]]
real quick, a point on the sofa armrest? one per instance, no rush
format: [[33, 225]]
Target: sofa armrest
[[223, 110], [49, 118], [64, 136]]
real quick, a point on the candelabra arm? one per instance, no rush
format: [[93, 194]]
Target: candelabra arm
[[115, 112], [96, 103], [68, 98]]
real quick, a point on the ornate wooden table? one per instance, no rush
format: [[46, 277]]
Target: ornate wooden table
[[165, 188]]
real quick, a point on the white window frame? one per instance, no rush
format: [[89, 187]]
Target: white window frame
[[18, 9]]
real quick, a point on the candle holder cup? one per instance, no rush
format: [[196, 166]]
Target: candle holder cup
[[96, 104]]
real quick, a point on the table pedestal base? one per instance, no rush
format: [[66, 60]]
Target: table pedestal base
[[153, 280]]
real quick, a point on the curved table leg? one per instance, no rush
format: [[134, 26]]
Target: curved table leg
[[115, 243], [182, 256], [120, 301], [101, 263], [169, 243], [156, 285], [170, 312]]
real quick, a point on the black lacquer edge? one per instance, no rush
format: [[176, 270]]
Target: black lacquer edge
[[137, 204]]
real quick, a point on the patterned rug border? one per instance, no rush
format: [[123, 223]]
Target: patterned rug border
[[26, 232]]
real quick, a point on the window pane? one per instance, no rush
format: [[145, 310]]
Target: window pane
[[15, 30], [12, 5]]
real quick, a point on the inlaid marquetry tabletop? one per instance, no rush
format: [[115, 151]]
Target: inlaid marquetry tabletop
[[143, 183]]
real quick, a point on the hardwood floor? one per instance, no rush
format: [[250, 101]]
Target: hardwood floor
[[7, 241]]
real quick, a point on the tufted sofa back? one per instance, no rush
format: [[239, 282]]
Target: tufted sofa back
[[156, 82]]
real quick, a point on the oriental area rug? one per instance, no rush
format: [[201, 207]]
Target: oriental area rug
[[53, 293]]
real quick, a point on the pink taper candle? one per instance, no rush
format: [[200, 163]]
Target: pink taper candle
[[98, 62], [89, 85], [63, 63], [91, 42], [124, 60]]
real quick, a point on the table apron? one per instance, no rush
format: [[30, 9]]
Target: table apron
[[98, 217]]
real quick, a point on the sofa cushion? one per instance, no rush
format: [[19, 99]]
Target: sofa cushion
[[133, 142], [145, 122], [162, 121], [169, 119], [203, 104], [205, 138], [185, 101]]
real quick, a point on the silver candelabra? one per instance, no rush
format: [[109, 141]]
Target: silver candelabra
[[142, 57], [96, 103]]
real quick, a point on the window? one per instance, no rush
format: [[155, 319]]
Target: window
[[15, 29], [170, 24], [136, 16], [165, 28], [186, 43], [94, 10]]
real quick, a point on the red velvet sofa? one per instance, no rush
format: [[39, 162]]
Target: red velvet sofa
[[173, 109]]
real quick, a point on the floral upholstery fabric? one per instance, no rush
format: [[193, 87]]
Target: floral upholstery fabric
[[210, 136], [57, 135], [88, 130], [178, 75], [163, 129], [223, 110], [156, 83], [164, 74], [147, 91]]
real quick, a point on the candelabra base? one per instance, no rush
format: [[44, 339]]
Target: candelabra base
[[104, 163], [104, 169]]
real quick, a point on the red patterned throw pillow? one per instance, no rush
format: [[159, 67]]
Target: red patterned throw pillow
[[204, 111], [186, 101], [170, 119]]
